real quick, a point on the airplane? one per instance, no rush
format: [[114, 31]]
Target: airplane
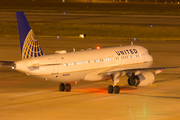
[[88, 65]]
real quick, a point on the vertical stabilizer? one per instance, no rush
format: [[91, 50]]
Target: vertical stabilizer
[[29, 45]]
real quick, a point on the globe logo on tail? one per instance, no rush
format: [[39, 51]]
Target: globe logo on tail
[[31, 47]]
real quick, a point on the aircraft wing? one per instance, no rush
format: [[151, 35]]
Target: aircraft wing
[[6, 63], [136, 71]]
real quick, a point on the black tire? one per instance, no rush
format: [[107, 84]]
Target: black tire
[[68, 87], [110, 89], [116, 89], [61, 87]]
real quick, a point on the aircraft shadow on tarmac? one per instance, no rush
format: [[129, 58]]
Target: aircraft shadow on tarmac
[[104, 90]]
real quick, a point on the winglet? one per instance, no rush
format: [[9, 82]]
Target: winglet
[[29, 45]]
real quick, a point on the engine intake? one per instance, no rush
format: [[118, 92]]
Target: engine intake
[[143, 79]]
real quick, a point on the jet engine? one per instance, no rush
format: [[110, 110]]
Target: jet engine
[[143, 79]]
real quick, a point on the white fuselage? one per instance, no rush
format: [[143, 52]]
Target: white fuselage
[[87, 64]]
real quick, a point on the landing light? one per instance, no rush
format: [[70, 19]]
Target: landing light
[[97, 47], [13, 66]]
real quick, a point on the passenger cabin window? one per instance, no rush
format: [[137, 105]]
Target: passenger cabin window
[[103, 60]]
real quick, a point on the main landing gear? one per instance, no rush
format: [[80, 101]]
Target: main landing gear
[[65, 87], [114, 88]]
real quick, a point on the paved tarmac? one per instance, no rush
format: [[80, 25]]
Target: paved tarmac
[[26, 97], [107, 19]]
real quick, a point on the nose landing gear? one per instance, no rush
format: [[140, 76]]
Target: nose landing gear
[[114, 88]]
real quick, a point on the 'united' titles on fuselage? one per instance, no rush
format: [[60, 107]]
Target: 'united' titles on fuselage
[[126, 52]]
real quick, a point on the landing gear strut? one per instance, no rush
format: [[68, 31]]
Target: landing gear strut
[[65, 87]]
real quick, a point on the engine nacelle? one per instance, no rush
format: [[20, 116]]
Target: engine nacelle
[[143, 79]]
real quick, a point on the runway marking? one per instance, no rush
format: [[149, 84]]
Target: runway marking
[[153, 85], [26, 94], [107, 97]]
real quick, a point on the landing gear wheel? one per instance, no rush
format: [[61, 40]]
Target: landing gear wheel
[[116, 89], [110, 89], [68, 87], [61, 87]]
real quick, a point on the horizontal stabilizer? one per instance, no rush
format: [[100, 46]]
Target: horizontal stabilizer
[[6, 63]]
